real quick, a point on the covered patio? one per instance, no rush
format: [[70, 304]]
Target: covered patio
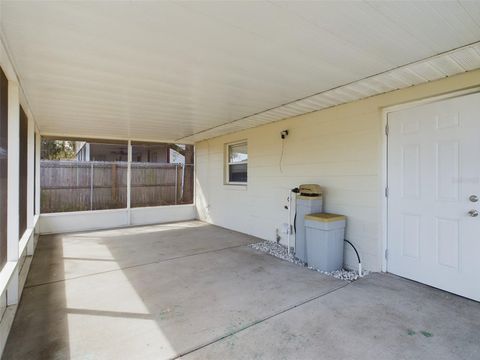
[[155, 154]]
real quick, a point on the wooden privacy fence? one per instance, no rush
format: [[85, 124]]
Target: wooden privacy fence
[[95, 185]]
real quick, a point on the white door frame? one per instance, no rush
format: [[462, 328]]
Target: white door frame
[[384, 159]]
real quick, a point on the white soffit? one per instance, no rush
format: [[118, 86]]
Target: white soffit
[[454, 62], [190, 70]]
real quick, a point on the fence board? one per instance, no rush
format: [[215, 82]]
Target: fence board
[[78, 186]]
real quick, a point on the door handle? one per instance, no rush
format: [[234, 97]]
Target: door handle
[[473, 213], [473, 198]]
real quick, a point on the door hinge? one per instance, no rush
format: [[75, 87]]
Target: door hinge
[[386, 191], [386, 254], [387, 129]]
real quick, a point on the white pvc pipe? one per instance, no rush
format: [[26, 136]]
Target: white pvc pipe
[[360, 269], [289, 219]]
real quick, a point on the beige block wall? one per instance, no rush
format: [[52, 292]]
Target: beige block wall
[[339, 148]]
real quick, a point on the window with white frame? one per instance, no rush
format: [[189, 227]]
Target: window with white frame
[[3, 167], [237, 163]]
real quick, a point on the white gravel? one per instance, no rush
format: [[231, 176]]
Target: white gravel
[[343, 274], [276, 250], [281, 252]]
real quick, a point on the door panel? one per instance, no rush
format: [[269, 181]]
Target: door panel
[[411, 235], [433, 168]]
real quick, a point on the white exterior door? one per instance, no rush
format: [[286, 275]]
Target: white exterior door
[[433, 179]]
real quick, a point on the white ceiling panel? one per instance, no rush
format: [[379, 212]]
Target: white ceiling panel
[[190, 70], [467, 58], [448, 65], [422, 71], [426, 71], [433, 23]]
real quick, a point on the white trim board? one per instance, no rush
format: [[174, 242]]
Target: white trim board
[[57, 223]]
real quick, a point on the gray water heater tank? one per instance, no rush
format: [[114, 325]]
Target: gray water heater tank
[[308, 201]]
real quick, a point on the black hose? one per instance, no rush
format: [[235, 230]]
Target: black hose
[[295, 191], [356, 252], [295, 222]]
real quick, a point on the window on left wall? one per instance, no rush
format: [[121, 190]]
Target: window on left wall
[[34, 173], [23, 157], [3, 166]]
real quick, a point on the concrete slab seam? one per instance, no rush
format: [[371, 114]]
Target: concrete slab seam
[[257, 322], [133, 266]]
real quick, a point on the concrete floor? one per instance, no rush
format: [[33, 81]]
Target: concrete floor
[[197, 291]]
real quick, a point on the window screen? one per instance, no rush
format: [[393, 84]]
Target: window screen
[[23, 153], [162, 174], [81, 175], [3, 166]]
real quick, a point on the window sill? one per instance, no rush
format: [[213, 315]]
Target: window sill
[[82, 212], [120, 210], [239, 187]]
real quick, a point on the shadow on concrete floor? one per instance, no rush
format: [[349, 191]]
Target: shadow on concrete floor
[[193, 289]]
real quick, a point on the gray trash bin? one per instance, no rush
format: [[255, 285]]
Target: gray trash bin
[[324, 236]]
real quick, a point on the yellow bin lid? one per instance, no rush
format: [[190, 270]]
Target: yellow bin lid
[[325, 217]]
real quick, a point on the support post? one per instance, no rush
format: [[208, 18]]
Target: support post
[[13, 186], [129, 181], [91, 186], [30, 180], [30, 172]]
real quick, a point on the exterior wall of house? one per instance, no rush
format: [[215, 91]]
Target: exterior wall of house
[[83, 150], [340, 148], [154, 153]]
